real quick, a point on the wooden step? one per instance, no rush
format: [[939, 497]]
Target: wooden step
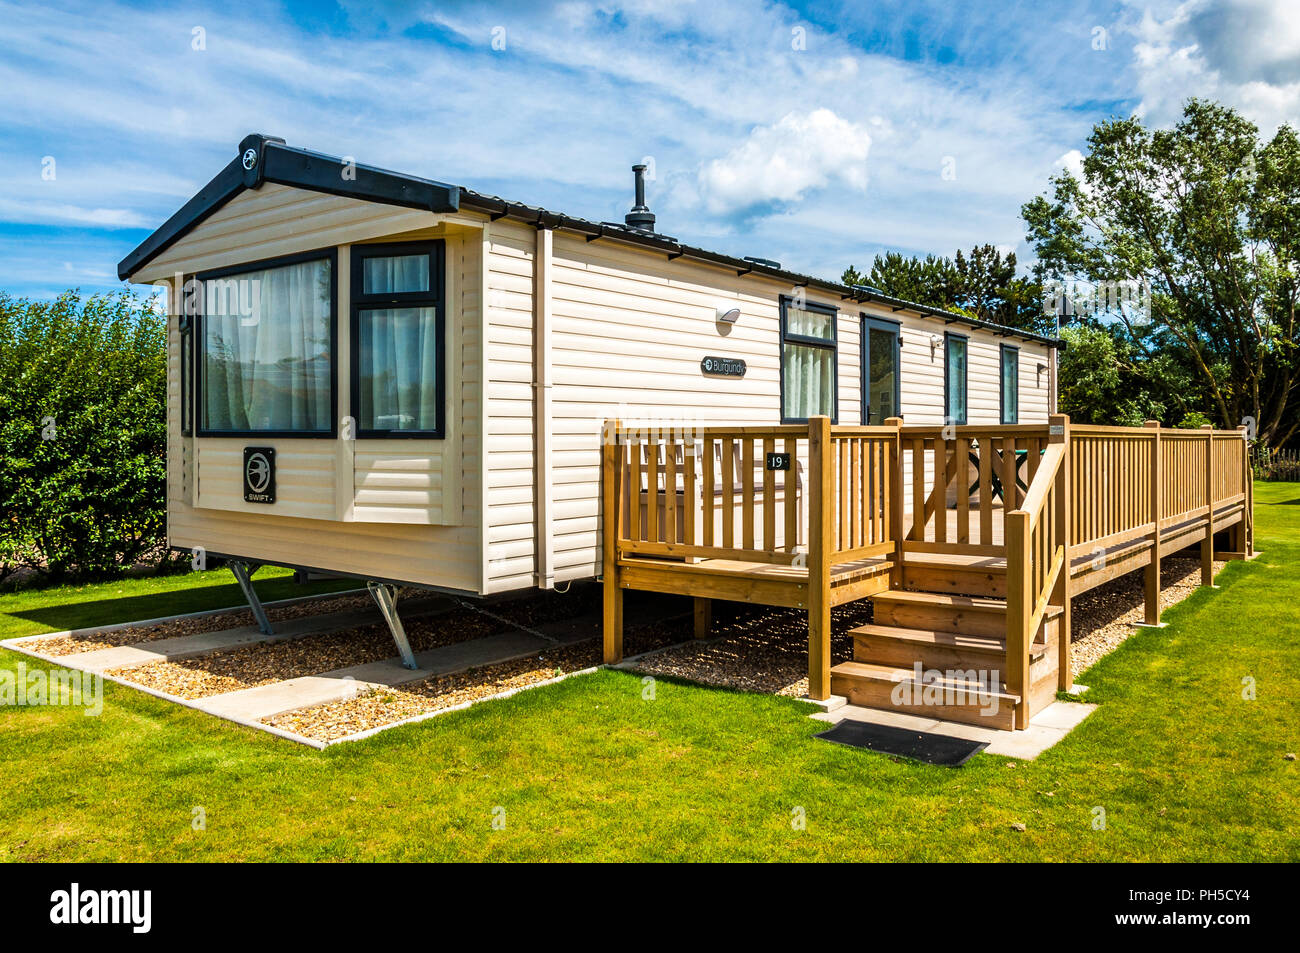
[[937, 611], [970, 577], [891, 645], [895, 688]]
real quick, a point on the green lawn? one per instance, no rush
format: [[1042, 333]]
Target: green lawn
[[1183, 766], [36, 611]]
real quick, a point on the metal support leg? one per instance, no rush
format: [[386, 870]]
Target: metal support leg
[[244, 575], [385, 597]]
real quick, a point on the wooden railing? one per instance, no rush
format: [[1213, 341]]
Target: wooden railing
[[701, 493], [744, 493], [961, 479], [1110, 470], [862, 461], [1133, 483]]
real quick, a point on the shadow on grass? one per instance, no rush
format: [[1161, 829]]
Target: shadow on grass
[[97, 612]]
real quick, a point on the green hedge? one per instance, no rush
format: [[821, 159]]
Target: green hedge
[[83, 435]]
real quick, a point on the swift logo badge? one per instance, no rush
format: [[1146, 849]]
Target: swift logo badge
[[259, 474]]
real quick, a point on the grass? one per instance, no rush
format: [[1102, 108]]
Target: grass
[[1183, 766], [37, 611]]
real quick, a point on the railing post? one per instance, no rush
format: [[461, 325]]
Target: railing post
[[612, 593], [1247, 537], [1019, 611], [896, 502], [1207, 544], [1061, 591], [1151, 572], [821, 488]]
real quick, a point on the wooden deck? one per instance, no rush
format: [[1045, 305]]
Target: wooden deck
[[972, 540]]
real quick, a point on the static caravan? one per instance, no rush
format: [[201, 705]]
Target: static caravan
[[406, 381]]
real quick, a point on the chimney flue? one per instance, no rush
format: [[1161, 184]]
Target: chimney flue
[[640, 217]]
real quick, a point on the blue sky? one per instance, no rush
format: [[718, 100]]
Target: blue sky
[[817, 134]]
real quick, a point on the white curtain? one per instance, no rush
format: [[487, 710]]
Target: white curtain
[[267, 349], [403, 273], [809, 378], [398, 371], [812, 324]]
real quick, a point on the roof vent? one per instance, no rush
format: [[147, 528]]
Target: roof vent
[[765, 262], [640, 217]]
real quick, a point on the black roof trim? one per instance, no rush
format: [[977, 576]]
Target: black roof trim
[[267, 159], [277, 162]]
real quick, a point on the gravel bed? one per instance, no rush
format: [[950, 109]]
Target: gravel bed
[[263, 664], [237, 618], [1102, 618], [387, 705]]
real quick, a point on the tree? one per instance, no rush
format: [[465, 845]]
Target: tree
[[982, 284], [1105, 379], [1207, 217]]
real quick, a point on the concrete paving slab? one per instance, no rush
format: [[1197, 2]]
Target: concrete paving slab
[[1063, 715], [1045, 729], [266, 701], [876, 716], [446, 659]]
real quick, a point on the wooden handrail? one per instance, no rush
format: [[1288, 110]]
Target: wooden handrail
[[1037, 544], [1036, 495]]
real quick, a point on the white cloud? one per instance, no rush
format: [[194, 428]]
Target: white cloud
[[781, 162], [1072, 162], [1245, 53], [57, 213]]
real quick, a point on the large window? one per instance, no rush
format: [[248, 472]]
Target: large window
[[1010, 387], [808, 343], [398, 340], [954, 378], [266, 348]]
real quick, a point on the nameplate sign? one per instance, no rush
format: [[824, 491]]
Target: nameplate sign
[[723, 366]]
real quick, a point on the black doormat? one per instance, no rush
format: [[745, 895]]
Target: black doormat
[[904, 742]]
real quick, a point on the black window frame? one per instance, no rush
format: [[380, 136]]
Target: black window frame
[[895, 328], [948, 418], [1003, 351], [185, 331], [831, 344], [435, 297], [200, 345]]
